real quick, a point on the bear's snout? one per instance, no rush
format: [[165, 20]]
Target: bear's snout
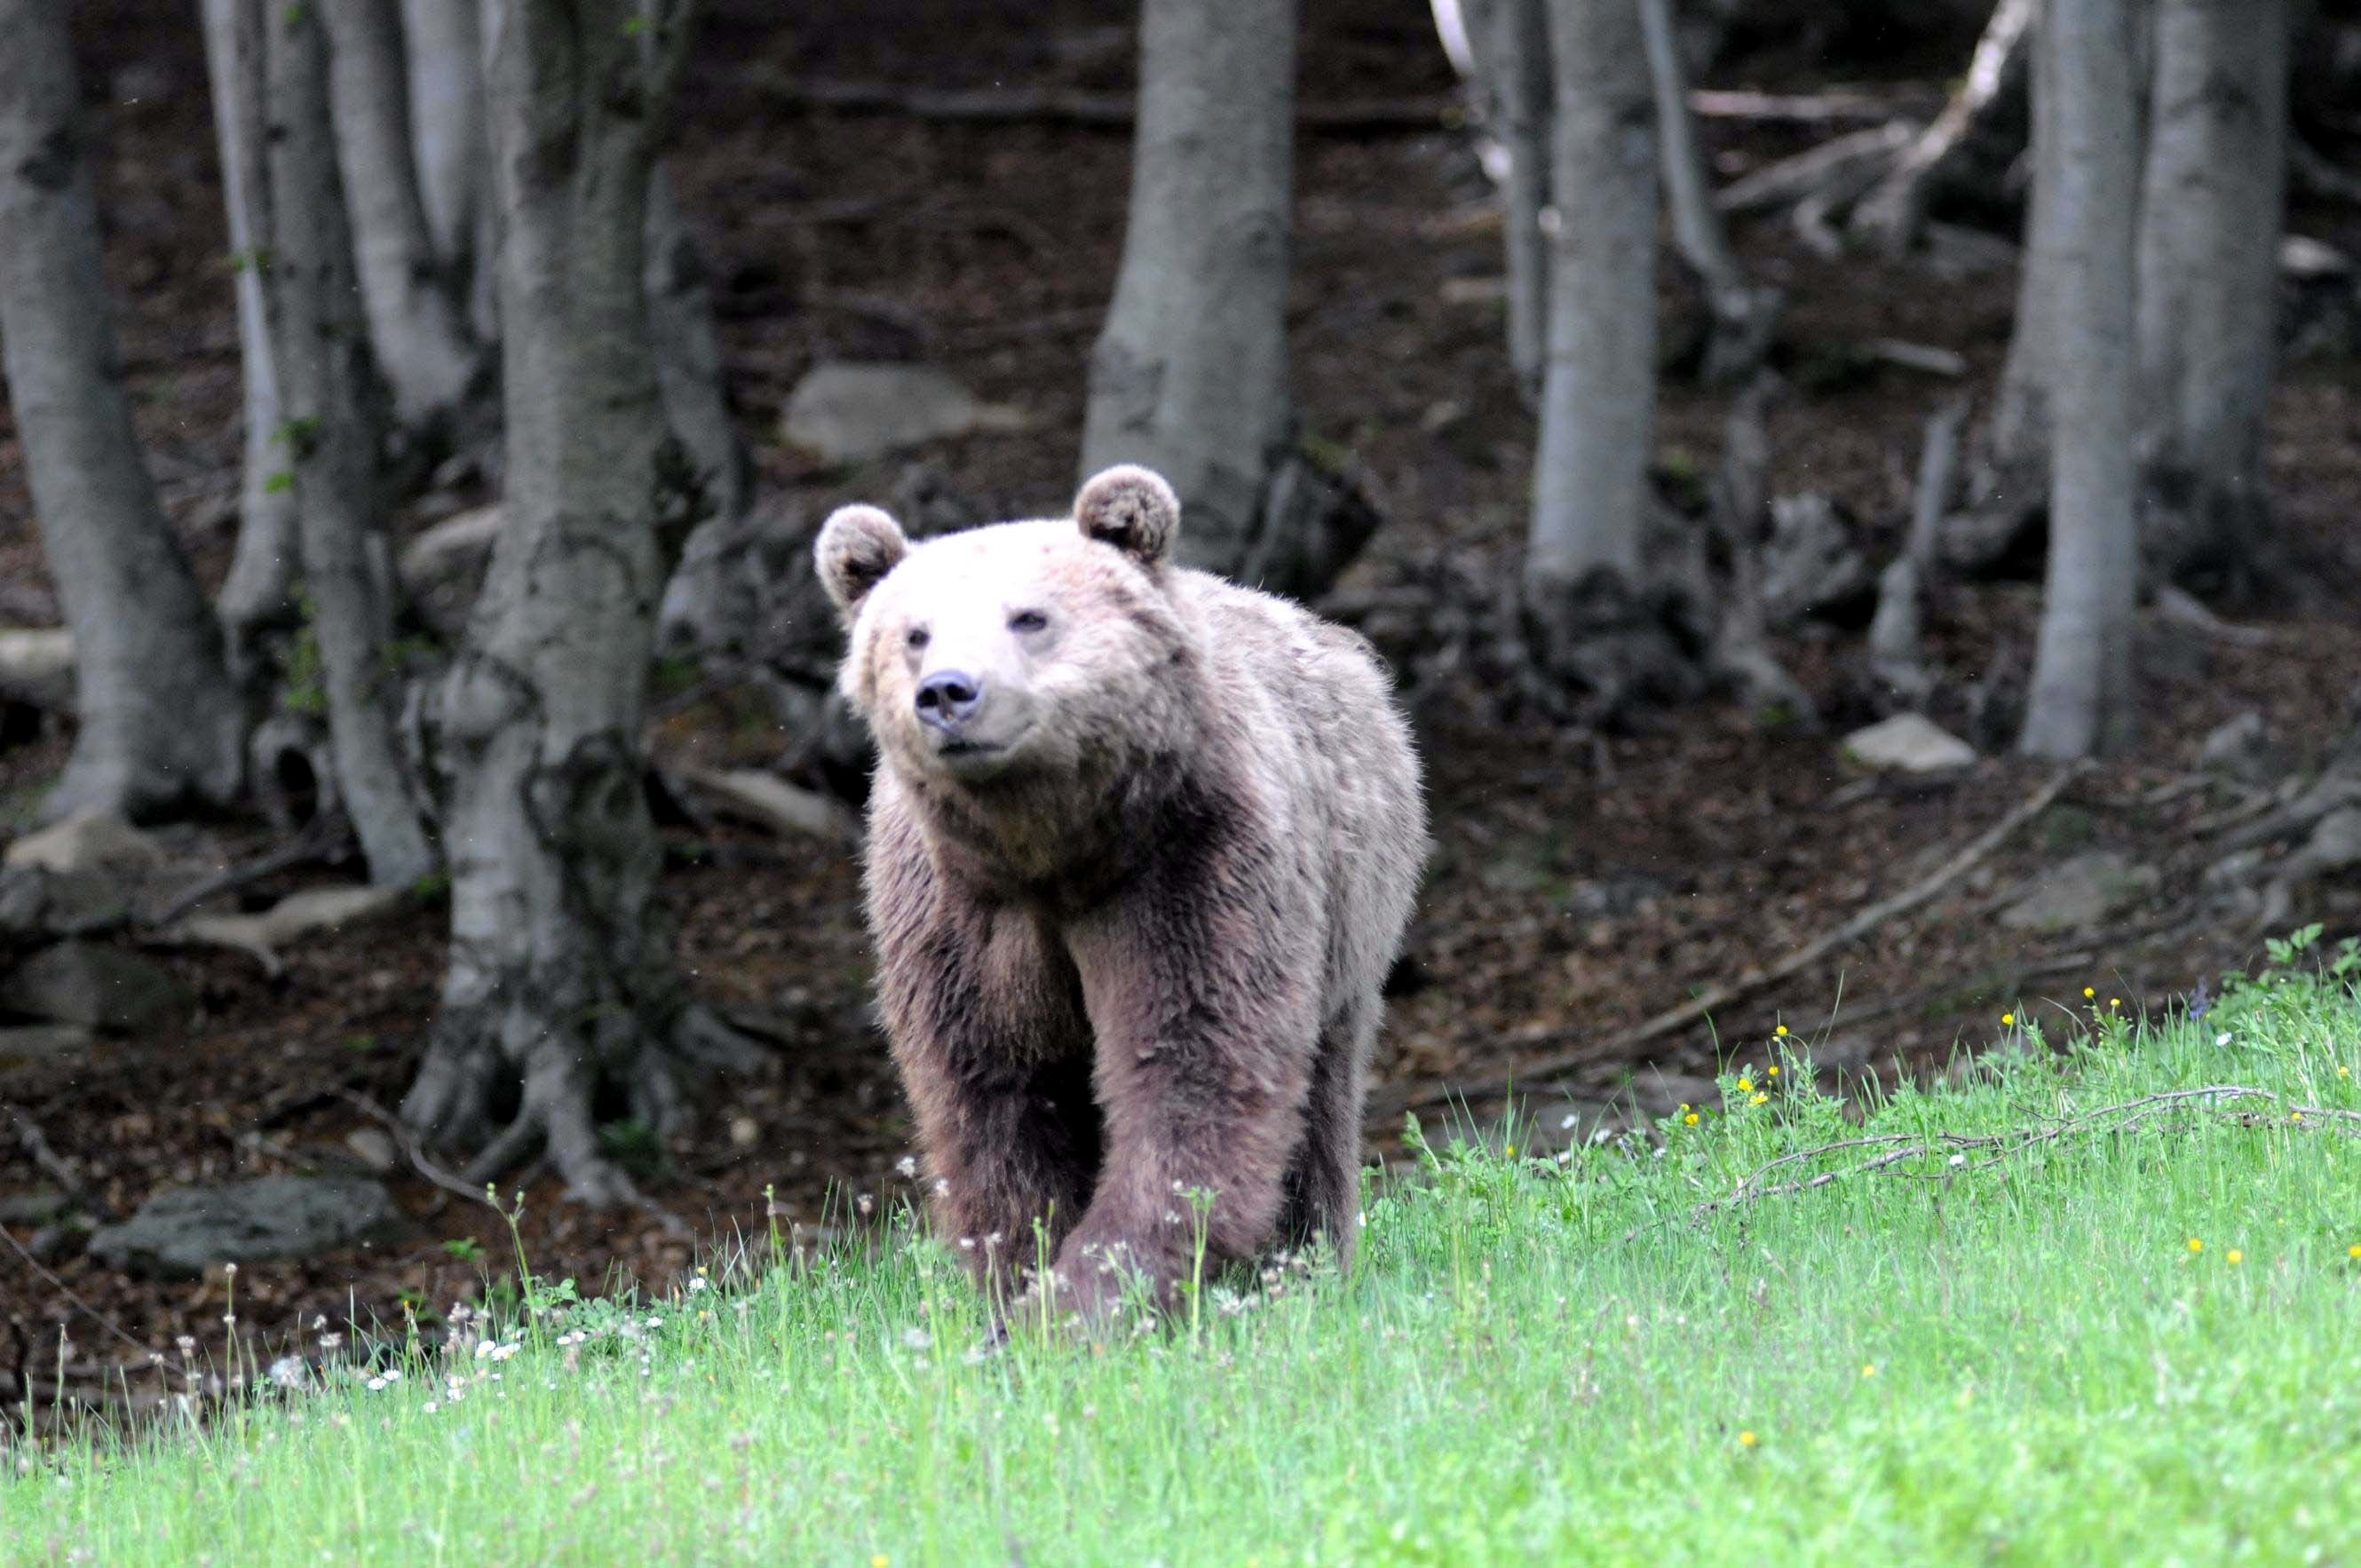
[[948, 698]]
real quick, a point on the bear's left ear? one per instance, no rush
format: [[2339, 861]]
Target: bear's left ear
[[1133, 510], [858, 545]]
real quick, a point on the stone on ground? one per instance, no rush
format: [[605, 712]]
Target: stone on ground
[[1909, 743], [179, 1235]]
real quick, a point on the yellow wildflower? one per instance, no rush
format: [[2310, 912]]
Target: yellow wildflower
[[1512, 1151], [2233, 1255], [1746, 1086], [2196, 1246], [1758, 1099], [1690, 1119], [1771, 1072], [2115, 1002], [2088, 995], [2354, 1251], [1746, 1440], [1782, 1031], [1868, 1369]]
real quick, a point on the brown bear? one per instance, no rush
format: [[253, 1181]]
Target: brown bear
[[1141, 850]]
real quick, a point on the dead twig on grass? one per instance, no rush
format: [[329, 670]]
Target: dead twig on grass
[[1956, 1148], [1542, 1069]]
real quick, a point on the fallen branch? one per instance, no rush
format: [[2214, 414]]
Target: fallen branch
[[1117, 111], [1835, 161], [1539, 1070], [315, 842], [36, 1144], [407, 1142], [1057, 105], [1955, 1148]]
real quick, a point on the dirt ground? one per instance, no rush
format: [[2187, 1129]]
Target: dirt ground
[[1578, 885]]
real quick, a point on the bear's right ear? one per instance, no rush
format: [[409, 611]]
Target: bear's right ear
[[1132, 508], [858, 545]]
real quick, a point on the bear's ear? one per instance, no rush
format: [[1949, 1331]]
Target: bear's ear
[[1131, 508], [858, 545]]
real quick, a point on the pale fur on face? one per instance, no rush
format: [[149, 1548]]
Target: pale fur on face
[[1065, 627]]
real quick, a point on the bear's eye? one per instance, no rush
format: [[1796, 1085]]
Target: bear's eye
[[1028, 620], [916, 637]]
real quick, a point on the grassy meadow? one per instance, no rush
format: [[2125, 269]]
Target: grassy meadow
[[2061, 1307]]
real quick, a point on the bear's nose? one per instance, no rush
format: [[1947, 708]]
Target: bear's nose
[[948, 699]]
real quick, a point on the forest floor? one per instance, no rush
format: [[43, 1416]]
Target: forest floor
[[1580, 883]]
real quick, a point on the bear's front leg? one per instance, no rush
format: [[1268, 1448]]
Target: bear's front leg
[[1205, 1005]]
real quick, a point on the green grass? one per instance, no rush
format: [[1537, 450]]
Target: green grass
[[2020, 1357]]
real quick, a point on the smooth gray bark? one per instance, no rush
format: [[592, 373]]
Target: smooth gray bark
[[422, 344], [1515, 49], [1743, 315], [562, 981], [335, 425], [160, 723], [2012, 459], [689, 357], [2211, 216], [443, 49], [1599, 399], [263, 568], [1189, 376], [2081, 699]]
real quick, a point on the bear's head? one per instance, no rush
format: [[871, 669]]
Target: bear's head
[[1022, 652]]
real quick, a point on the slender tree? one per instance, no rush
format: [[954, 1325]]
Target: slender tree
[[1512, 46], [1189, 373], [443, 43], [2081, 699], [2010, 476], [263, 567], [320, 345], [1598, 398], [2210, 224], [422, 339], [160, 723], [562, 982]]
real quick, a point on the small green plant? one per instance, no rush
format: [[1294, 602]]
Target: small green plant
[[467, 1249]]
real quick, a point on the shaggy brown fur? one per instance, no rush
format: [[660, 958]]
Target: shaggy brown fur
[[1141, 851]]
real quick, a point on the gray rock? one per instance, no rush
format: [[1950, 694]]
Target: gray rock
[[2076, 893], [40, 1206], [93, 986], [1909, 743], [373, 1148], [177, 1235], [89, 841], [844, 412], [37, 902], [44, 1042]]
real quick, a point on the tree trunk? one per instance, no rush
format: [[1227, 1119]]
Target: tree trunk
[[1515, 49], [1743, 316], [2015, 460], [2210, 224], [160, 723], [443, 43], [1894, 214], [2081, 696], [1599, 399], [336, 426], [262, 571], [421, 343], [1189, 376], [562, 991], [688, 358]]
